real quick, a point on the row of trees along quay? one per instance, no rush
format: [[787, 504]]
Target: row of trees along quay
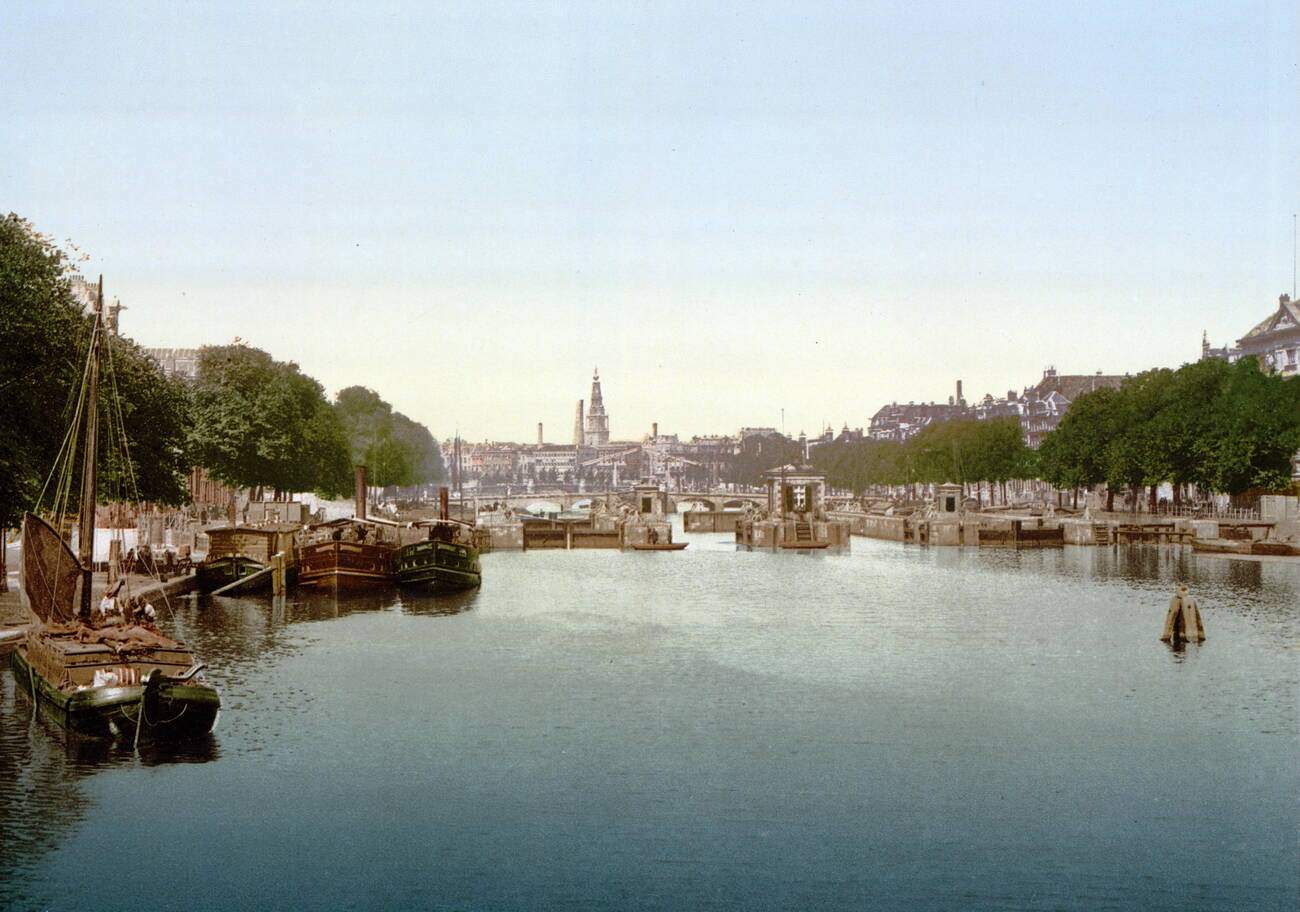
[[965, 452], [249, 420], [1222, 428], [262, 424]]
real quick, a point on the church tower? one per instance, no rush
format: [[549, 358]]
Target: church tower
[[597, 421]]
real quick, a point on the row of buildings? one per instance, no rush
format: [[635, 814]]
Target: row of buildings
[[663, 457], [1039, 408], [1274, 342], [593, 457]]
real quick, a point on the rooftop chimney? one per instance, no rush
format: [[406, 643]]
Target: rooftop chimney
[[539, 433], [654, 430]]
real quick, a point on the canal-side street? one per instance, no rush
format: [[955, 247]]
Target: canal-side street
[[894, 727]]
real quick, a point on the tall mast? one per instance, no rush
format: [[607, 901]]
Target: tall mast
[[86, 526]]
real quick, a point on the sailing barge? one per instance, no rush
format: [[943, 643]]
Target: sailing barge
[[116, 675], [114, 678]]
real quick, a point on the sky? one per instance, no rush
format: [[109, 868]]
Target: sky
[[731, 209]]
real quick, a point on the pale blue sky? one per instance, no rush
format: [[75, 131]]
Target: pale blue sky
[[730, 208]]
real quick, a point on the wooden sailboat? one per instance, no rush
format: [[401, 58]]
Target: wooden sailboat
[[115, 676]]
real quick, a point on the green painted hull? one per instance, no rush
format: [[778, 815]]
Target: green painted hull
[[223, 571], [175, 711], [436, 566]]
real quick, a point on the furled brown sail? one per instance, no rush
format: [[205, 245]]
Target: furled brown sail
[[51, 571]]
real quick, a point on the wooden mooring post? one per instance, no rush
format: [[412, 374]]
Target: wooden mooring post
[[277, 573]]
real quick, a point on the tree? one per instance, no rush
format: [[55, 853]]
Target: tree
[[1254, 431], [259, 422], [758, 454], [395, 449], [42, 359], [1135, 456], [427, 464], [999, 453], [42, 350], [1228, 428], [145, 421], [1074, 455], [1184, 427]]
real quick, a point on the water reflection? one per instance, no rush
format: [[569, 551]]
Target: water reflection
[[43, 774], [894, 728], [437, 605], [322, 605]]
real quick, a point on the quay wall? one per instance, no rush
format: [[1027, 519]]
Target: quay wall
[[770, 534], [504, 536], [639, 533], [710, 520], [875, 525]]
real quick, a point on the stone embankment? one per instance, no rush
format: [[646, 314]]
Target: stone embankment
[[1277, 532], [138, 586]]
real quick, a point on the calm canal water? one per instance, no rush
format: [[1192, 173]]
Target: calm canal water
[[897, 728]]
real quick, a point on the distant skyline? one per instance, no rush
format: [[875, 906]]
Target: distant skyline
[[730, 209]]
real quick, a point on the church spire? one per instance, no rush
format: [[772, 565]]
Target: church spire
[[597, 422]]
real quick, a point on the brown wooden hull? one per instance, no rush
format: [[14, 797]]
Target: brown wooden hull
[[666, 546], [1220, 546], [1279, 549], [345, 565]]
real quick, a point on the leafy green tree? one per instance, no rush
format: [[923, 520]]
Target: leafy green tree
[[259, 422], [1183, 429], [999, 452], [759, 453], [1254, 430], [42, 350], [145, 427], [427, 464], [1135, 456], [1227, 428], [43, 353], [1074, 455], [395, 449]]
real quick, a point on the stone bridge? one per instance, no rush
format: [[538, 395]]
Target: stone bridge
[[694, 500]]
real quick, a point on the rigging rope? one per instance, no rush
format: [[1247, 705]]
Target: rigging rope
[[127, 477]]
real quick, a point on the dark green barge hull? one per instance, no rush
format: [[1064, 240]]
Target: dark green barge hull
[[434, 566], [222, 571], [173, 711]]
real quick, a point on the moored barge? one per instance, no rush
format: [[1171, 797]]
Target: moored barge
[[445, 561], [346, 553], [238, 552]]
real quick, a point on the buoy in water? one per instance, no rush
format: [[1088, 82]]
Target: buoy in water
[[1183, 620]]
